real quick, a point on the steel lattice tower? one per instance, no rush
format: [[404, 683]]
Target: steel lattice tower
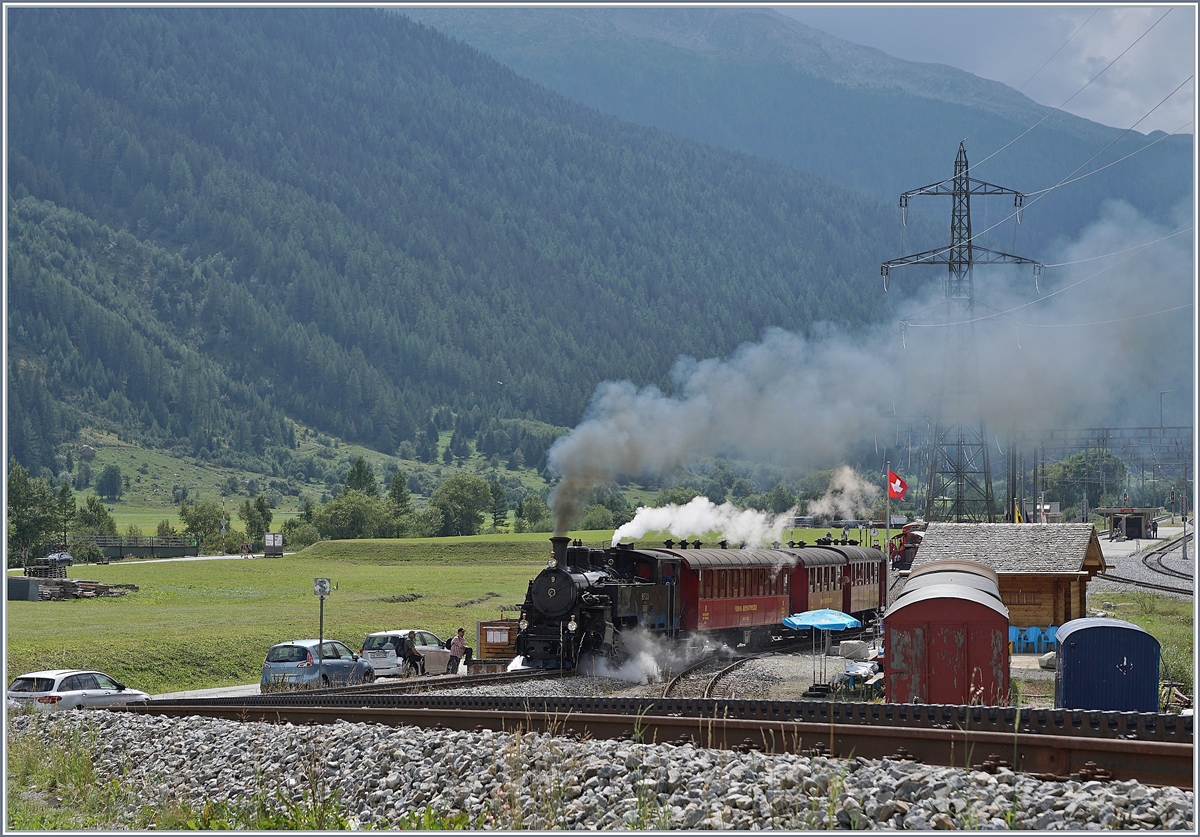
[[960, 478]]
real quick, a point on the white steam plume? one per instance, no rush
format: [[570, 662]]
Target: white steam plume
[[848, 496], [703, 517], [805, 401]]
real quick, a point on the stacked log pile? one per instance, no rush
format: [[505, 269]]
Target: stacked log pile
[[58, 589]]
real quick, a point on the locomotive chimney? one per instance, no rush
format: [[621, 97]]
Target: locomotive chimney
[[560, 543], [696, 544]]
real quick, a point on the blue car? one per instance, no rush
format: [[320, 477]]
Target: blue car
[[298, 665]]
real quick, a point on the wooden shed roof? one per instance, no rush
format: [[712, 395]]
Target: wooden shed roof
[[1016, 547]]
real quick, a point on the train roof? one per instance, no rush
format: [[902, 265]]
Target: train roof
[[979, 582], [707, 558], [946, 591], [812, 556], [855, 553], [955, 565]]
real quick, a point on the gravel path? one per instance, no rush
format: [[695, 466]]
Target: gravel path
[[508, 781]]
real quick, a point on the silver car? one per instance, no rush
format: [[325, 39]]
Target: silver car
[[383, 650], [58, 689]]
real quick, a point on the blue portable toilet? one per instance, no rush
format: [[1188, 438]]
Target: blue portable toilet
[[1106, 664]]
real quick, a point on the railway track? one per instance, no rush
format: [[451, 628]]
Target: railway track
[[1153, 561], [429, 683], [674, 685], [1154, 749]]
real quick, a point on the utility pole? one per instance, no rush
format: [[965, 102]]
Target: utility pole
[[960, 469]]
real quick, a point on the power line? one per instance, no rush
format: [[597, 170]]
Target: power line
[[1041, 298], [1076, 93], [1039, 69], [1122, 159], [1182, 228], [1105, 322]]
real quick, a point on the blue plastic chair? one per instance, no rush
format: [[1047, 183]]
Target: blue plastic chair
[[1014, 636], [1031, 639], [1050, 638]]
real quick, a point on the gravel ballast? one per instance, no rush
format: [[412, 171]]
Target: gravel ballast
[[508, 781]]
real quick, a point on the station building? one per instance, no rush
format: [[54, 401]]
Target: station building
[[1043, 568]]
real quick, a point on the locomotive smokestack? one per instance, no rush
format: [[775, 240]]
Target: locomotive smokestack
[[560, 543]]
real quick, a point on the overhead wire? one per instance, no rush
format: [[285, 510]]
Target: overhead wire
[[1068, 99], [1119, 160], [1042, 298], [1077, 92], [1181, 228], [1039, 69]]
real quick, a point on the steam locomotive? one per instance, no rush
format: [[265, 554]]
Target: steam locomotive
[[586, 599]]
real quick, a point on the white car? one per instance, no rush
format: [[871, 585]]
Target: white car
[[383, 648], [58, 689]]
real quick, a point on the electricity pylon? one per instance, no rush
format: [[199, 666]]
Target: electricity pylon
[[960, 476]]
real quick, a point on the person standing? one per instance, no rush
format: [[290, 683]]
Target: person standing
[[458, 647]]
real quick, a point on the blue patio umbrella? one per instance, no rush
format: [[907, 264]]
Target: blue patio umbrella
[[824, 620]]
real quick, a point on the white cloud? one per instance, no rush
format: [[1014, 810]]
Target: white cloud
[[1009, 43]]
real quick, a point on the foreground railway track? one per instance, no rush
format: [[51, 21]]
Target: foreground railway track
[[1154, 749]]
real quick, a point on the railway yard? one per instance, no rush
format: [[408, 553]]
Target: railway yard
[[730, 744]]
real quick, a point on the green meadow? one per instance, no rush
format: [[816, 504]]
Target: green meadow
[[199, 624]]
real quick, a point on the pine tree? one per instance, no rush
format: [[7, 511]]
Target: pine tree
[[499, 503]]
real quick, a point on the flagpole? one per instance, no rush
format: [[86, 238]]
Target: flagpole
[[887, 515]]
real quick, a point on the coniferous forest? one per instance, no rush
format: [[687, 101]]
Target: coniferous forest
[[222, 221]]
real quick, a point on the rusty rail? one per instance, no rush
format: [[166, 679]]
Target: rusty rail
[[1154, 749]]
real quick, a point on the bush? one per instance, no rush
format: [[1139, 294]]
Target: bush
[[297, 534], [597, 517]]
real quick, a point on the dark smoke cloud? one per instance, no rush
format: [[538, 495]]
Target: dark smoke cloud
[[804, 401]]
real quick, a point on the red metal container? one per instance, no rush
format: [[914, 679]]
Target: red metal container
[[947, 643]]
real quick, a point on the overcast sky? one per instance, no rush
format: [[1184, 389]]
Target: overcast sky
[[1009, 44]]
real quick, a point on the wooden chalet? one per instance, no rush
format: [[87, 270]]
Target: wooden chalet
[[1043, 568]]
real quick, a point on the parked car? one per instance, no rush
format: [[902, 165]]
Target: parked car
[[298, 665], [383, 650], [58, 689]]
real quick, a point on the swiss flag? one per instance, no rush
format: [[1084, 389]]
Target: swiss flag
[[897, 487]]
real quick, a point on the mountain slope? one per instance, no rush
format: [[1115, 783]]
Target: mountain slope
[[354, 220], [756, 81]]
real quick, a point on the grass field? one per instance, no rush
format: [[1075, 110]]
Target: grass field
[[1167, 619], [198, 624]]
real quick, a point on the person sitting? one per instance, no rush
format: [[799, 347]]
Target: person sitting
[[414, 658]]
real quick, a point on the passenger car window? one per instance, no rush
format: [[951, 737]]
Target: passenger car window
[[88, 681], [342, 651], [428, 639], [105, 682], [71, 684], [32, 684]]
